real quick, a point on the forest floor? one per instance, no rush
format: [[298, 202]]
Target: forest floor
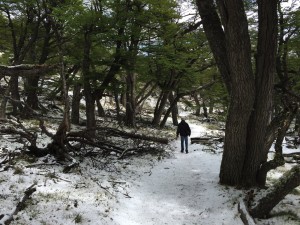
[[180, 189]]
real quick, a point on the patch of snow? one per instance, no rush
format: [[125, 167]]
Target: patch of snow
[[181, 189]]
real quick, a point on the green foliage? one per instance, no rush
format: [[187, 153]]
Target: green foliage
[[163, 50]]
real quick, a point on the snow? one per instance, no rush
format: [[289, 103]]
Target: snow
[[143, 190], [180, 190]]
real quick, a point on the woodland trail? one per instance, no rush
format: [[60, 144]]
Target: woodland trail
[[181, 190]]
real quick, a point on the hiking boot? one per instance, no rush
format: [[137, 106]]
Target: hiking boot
[[186, 152], [181, 151]]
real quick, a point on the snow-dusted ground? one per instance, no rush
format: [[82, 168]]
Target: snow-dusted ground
[[180, 190]]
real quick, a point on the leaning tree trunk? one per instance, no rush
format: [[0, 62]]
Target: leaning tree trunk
[[33, 82], [242, 92], [285, 185], [118, 108], [130, 116], [204, 109], [3, 104], [297, 125], [57, 147], [174, 110], [242, 151], [89, 98], [15, 95], [216, 38], [266, 69], [284, 124], [198, 106], [160, 106], [173, 104], [211, 106], [100, 109], [31, 89], [76, 103]]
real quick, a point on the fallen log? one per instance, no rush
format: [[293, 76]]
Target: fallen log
[[145, 138], [8, 218], [198, 140], [244, 213], [118, 133], [286, 183]]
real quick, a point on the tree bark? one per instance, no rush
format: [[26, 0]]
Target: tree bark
[[89, 97], [216, 37], [174, 110], [32, 82], [285, 185], [173, 105], [130, 100], [100, 109], [57, 146], [278, 159], [204, 109], [15, 95], [238, 51], [31, 92], [265, 73], [160, 106], [76, 103], [250, 96], [198, 106]]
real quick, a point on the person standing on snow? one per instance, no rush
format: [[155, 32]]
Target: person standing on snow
[[184, 130]]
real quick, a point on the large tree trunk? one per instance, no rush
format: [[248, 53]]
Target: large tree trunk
[[242, 91], [211, 106], [204, 109], [31, 90], [285, 185], [15, 95], [160, 106], [130, 115], [174, 109], [266, 69], [100, 109], [216, 37], [89, 98], [32, 82], [3, 104], [57, 146], [76, 103], [173, 105], [198, 106], [248, 113]]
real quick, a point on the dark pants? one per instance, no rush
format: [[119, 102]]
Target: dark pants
[[184, 142]]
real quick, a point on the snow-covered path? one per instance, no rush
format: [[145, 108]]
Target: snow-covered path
[[180, 190]]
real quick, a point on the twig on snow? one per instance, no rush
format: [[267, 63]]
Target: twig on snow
[[8, 218]]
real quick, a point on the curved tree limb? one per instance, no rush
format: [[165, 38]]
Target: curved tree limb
[[287, 182], [26, 70], [8, 218]]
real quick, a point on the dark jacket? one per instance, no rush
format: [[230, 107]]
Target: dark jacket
[[183, 129]]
